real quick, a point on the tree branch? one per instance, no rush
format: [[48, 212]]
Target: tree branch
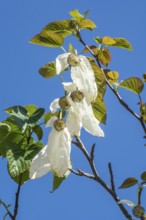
[[122, 102], [112, 177], [96, 178], [17, 198]]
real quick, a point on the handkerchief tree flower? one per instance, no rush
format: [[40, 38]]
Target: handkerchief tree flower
[[80, 106], [55, 156]]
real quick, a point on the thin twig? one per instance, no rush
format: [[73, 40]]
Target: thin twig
[[6, 207], [82, 173], [122, 102], [112, 177], [81, 146], [17, 198]]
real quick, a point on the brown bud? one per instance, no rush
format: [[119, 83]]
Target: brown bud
[[77, 96], [64, 103], [73, 60], [59, 124], [138, 211]]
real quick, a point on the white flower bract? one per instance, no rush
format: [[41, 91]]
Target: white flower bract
[[80, 114], [55, 156], [82, 75]]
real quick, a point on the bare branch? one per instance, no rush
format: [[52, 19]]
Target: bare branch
[[122, 102], [17, 198], [112, 177], [96, 178]]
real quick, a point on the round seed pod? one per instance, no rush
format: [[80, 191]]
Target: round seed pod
[[77, 96], [73, 60], [64, 103], [59, 124], [138, 211]]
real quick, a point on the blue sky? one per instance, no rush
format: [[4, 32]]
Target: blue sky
[[78, 197]]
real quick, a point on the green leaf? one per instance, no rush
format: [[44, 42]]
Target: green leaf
[[93, 48], [100, 80], [112, 76], [36, 116], [38, 131], [87, 24], [30, 109], [48, 70], [17, 111], [99, 110], [57, 181], [48, 39], [25, 177], [19, 159], [134, 84], [4, 130], [129, 182], [104, 56], [109, 41], [76, 15], [117, 42], [71, 49], [98, 40], [143, 176], [48, 115], [63, 28], [86, 13], [9, 141], [144, 77]]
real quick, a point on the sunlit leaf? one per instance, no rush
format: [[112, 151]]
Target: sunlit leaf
[[86, 13], [122, 43], [71, 49], [76, 15], [93, 48], [143, 176], [144, 77], [117, 42], [48, 70], [98, 39], [134, 84], [104, 56], [30, 109], [64, 27], [100, 80], [129, 182], [108, 40], [143, 110], [99, 110], [87, 24], [112, 76], [48, 39]]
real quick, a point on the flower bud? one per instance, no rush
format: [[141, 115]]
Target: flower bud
[[64, 103], [138, 211], [73, 60], [77, 96], [59, 124]]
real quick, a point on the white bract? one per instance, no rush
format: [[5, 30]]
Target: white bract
[[80, 114], [55, 156], [81, 74]]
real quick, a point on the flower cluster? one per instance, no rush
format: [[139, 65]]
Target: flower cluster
[[79, 94]]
